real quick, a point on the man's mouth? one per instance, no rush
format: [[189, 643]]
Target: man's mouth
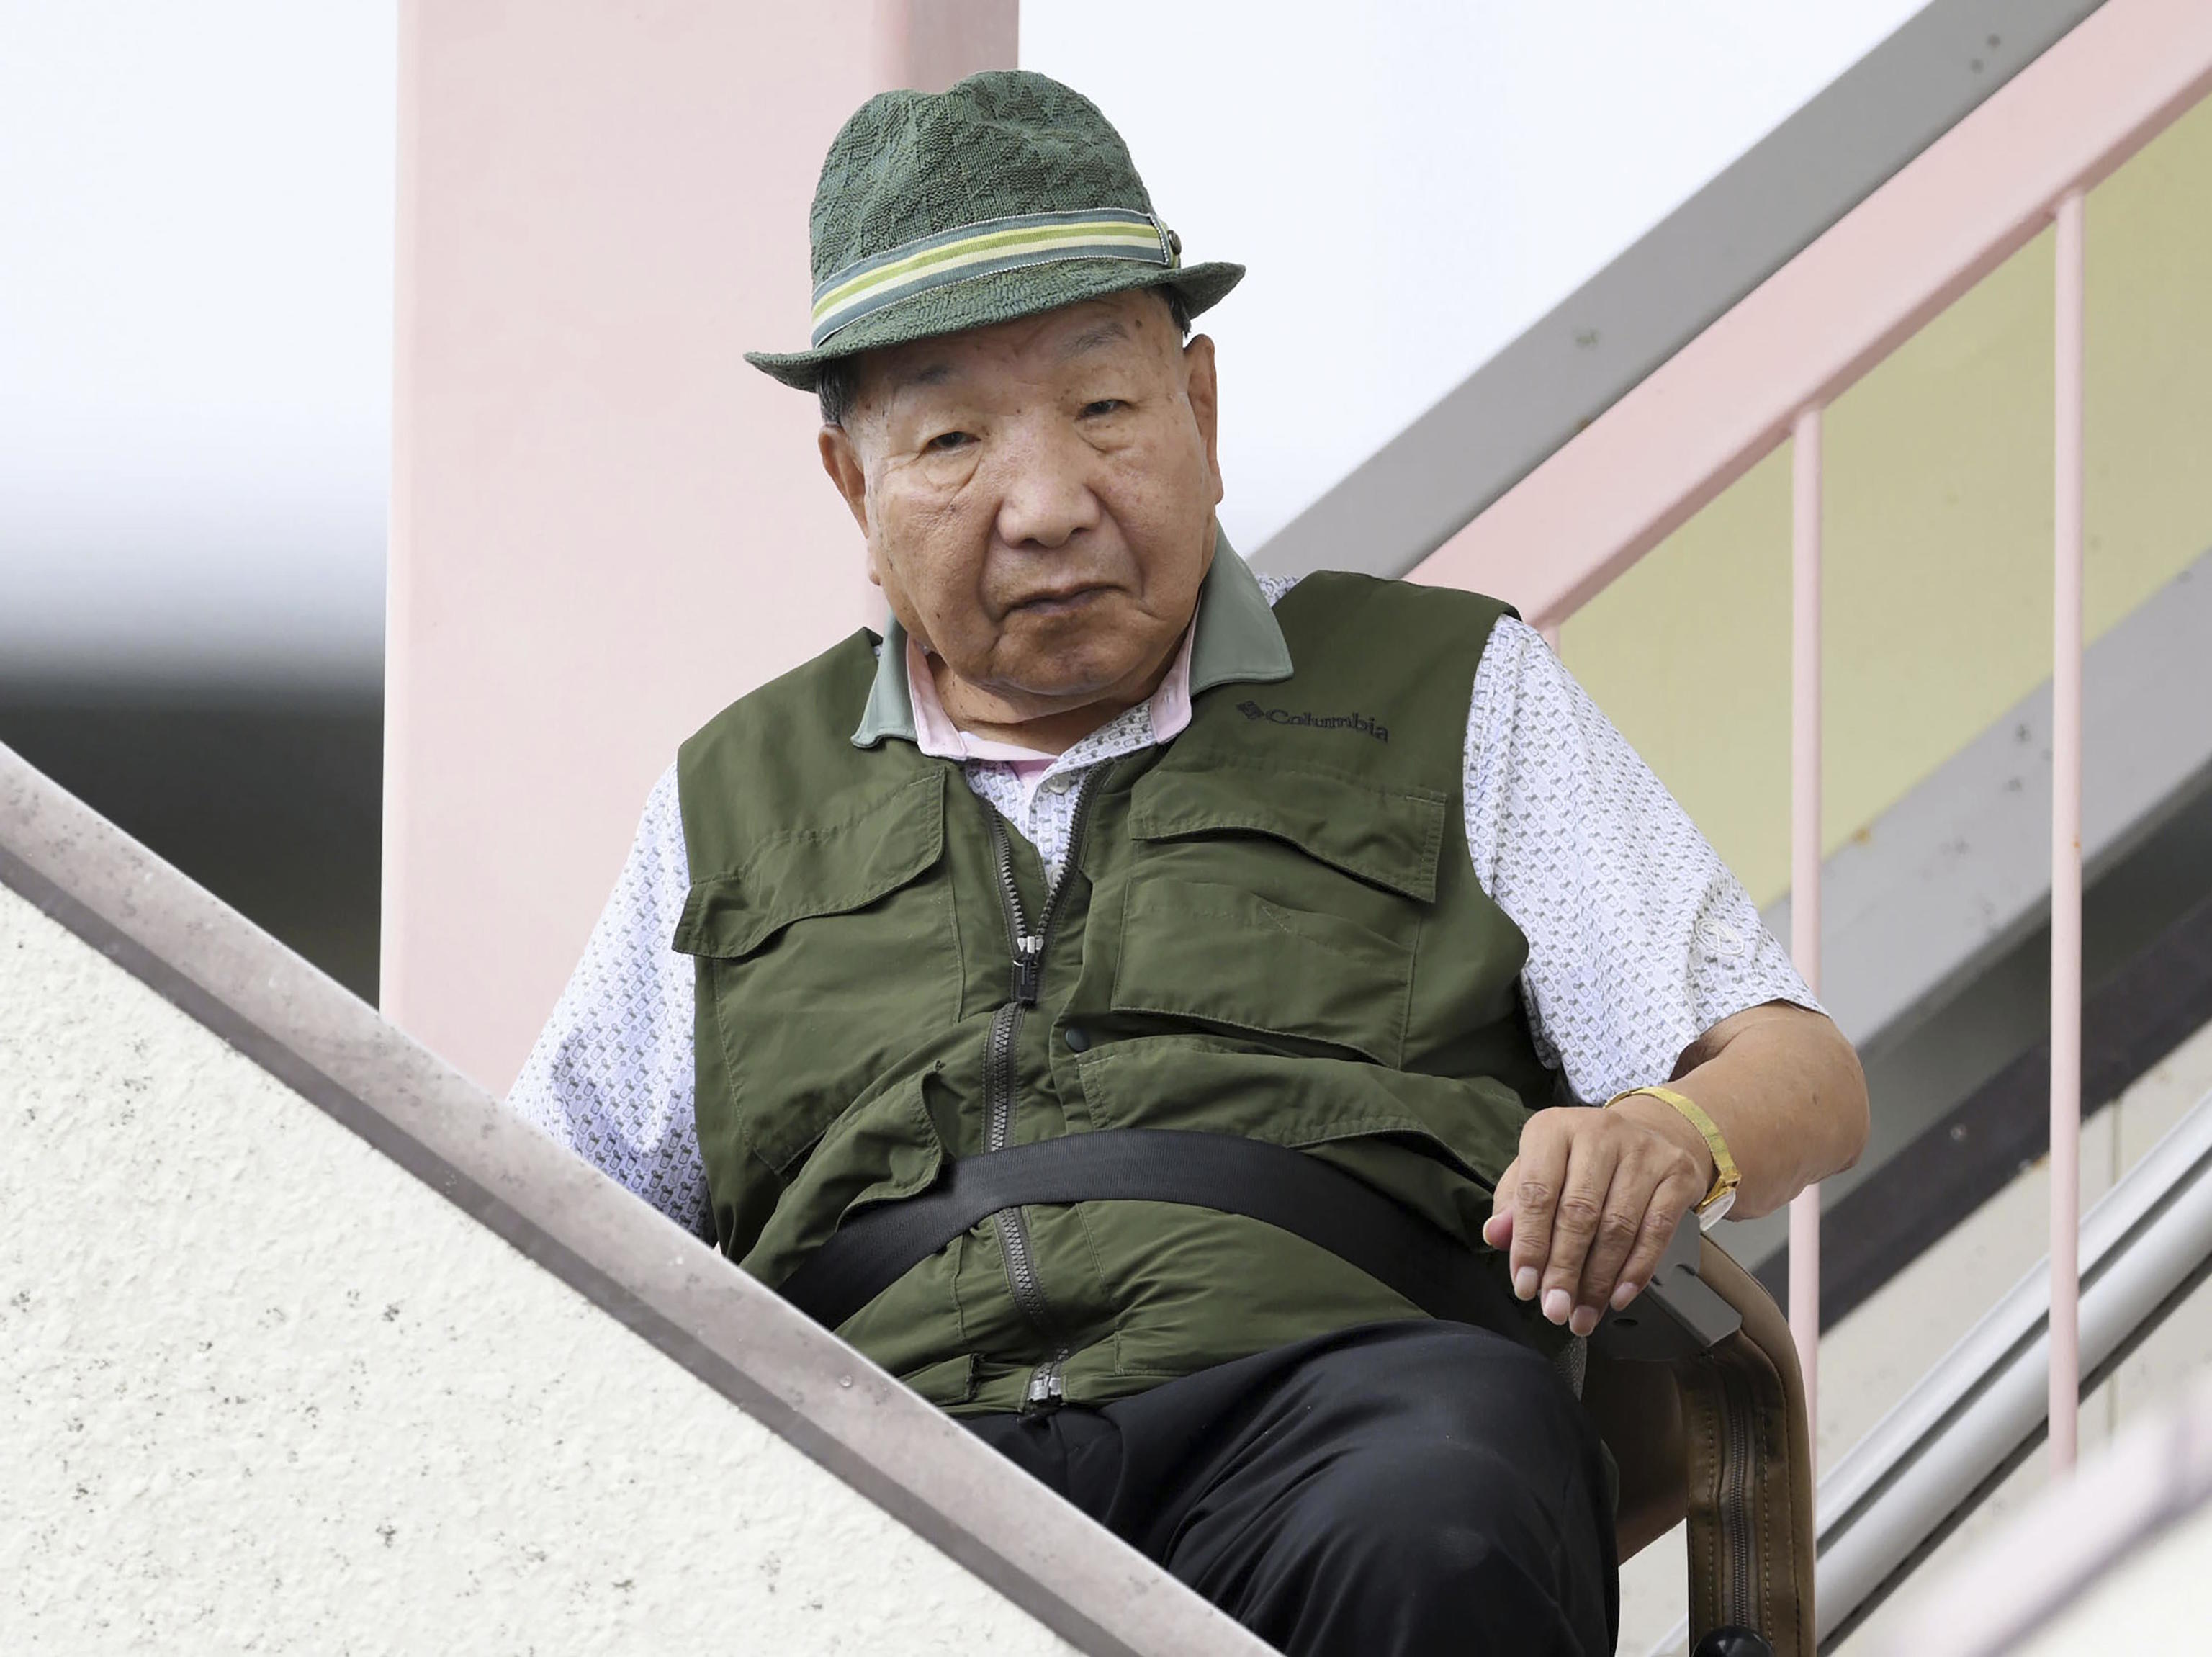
[[1062, 602]]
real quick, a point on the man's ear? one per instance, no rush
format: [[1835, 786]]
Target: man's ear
[[842, 462], [1204, 394]]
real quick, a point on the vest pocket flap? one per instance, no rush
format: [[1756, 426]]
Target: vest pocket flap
[[1388, 836], [883, 1148], [832, 869]]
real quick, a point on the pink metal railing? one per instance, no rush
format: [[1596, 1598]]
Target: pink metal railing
[[1763, 373], [2066, 847], [2065, 844], [1805, 844], [1805, 850]]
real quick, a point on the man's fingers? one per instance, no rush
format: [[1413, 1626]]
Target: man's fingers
[[1498, 1230], [1637, 1181], [1585, 1212], [1669, 1204], [1577, 1217], [1535, 1195]]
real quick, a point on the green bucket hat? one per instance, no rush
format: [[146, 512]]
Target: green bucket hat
[[1005, 195]]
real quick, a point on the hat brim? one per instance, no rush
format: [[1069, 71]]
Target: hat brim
[[1002, 297]]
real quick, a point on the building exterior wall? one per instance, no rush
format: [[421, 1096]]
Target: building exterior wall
[[266, 1391], [1938, 504], [605, 526]]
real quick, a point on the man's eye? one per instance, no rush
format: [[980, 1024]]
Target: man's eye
[[945, 442], [1103, 406]]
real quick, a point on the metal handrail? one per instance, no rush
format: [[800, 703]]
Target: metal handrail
[[2043, 1563], [1763, 374], [1980, 1411]]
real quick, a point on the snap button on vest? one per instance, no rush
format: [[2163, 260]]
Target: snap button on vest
[[1078, 1038]]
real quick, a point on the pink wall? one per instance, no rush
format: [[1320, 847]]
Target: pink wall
[[604, 524]]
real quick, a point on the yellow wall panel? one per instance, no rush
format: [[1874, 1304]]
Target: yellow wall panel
[[1938, 531]]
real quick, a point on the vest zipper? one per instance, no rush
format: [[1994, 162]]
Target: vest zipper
[[1028, 950], [1045, 1391]]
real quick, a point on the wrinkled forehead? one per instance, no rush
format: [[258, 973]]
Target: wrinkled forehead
[[1135, 326]]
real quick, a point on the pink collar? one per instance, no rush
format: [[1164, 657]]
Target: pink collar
[[936, 734]]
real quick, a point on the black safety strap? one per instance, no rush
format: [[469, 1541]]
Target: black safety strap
[[1286, 1189]]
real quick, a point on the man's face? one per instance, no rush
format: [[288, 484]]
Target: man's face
[[1038, 498]]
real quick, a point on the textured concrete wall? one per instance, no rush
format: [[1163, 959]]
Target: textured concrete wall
[[262, 1389]]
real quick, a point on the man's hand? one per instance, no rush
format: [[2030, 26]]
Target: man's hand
[[1591, 1201]]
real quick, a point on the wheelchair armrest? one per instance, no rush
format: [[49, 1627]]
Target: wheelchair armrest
[[1696, 1392], [1678, 1316]]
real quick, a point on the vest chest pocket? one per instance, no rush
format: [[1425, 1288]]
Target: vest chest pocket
[[1284, 902], [826, 956]]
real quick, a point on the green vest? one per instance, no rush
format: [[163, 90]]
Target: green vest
[[1269, 926]]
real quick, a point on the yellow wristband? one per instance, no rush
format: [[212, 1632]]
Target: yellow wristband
[[1718, 1200]]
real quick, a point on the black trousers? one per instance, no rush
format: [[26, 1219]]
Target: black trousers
[[1398, 1490]]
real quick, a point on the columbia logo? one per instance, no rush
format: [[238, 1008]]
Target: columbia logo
[[1360, 722]]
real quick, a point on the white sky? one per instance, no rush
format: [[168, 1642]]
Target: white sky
[[195, 335], [195, 261], [1414, 183]]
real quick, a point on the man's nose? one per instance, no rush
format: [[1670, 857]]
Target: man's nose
[[1045, 495]]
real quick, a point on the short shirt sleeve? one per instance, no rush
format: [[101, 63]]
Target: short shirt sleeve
[[611, 1074], [1639, 938]]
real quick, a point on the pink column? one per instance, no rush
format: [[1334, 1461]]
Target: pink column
[[1805, 855], [2066, 851], [605, 526]]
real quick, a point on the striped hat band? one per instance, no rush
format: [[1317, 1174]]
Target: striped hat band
[[994, 245]]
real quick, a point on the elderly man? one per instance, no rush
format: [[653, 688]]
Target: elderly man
[[1155, 1011]]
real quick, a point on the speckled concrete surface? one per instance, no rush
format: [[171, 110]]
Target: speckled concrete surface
[[263, 1391]]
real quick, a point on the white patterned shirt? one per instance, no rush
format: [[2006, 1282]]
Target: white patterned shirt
[[1639, 938]]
